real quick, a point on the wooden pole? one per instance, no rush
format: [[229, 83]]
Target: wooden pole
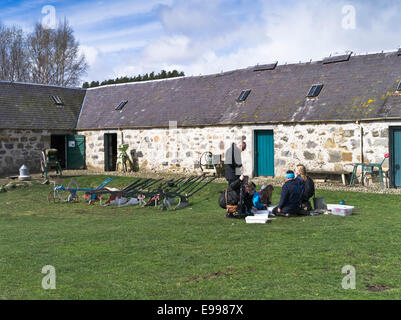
[[361, 150]]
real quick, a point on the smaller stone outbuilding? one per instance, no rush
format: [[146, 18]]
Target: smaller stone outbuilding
[[32, 118]]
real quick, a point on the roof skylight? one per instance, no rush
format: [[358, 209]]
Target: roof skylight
[[244, 94], [57, 100], [121, 105], [314, 91]]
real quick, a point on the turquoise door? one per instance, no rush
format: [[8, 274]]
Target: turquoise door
[[396, 157], [264, 153], [76, 152]]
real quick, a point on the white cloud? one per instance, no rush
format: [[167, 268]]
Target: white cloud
[[88, 14], [90, 53], [172, 49], [200, 39], [192, 16], [138, 32]]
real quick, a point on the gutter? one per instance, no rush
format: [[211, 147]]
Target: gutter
[[241, 124], [49, 129], [212, 125]]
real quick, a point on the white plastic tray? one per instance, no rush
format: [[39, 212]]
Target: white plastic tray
[[259, 218], [340, 210]]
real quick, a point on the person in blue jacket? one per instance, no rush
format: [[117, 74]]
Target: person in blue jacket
[[290, 198], [257, 201]]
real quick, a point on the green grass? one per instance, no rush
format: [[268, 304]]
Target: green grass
[[195, 253]]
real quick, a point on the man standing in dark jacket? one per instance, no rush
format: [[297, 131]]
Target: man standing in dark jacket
[[290, 198], [233, 161]]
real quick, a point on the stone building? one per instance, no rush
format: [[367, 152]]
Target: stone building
[[32, 118], [324, 114], [353, 113]]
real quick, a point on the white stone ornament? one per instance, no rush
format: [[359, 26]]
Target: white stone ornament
[[24, 173]]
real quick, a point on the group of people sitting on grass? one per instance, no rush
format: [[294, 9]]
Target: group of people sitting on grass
[[241, 198], [295, 193]]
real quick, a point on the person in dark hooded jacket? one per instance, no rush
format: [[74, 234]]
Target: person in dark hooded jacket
[[290, 198], [232, 196]]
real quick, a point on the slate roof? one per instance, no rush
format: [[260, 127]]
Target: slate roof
[[361, 87], [30, 106]]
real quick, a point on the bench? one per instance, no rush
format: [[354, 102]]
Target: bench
[[326, 174]]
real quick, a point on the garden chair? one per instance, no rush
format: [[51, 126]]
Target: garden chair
[[368, 168]]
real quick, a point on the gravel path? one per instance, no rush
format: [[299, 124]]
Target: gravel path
[[277, 182]]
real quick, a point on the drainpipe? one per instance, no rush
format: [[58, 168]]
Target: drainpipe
[[361, 147], [122, 136]]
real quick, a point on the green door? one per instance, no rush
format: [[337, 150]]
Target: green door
[[396, 157], [75, 152], [264, 153]]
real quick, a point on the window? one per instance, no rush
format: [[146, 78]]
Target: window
[[57, 100], [337, 58], [314, 91], [265, 67], [244, 94], [121, 105]]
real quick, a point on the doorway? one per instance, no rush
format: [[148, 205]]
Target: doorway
[[263, 153], [59, 142], [110, 151], [395, 156]]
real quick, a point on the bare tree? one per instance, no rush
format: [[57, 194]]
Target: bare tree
[[13, 54], [4, 45], [54, 56], [40, 54], [19, 56], [48, 56], [68, 64]]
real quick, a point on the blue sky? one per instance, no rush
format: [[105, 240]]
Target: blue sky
[[129, 37]]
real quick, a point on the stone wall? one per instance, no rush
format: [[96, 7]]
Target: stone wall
[[318, 146], [18, 147], [330, 147], [175, 150]]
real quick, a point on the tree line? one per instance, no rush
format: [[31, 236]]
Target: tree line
[[145, 77], [46, 56]]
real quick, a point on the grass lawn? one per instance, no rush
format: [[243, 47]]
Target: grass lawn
[[195, 253]]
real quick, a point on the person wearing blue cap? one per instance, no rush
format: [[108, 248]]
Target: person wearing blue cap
[[290, 197]]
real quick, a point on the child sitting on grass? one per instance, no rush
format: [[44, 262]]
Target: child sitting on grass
[[262, 199], [266, 194]]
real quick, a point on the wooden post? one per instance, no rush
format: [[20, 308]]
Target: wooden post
[[361, 150]]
